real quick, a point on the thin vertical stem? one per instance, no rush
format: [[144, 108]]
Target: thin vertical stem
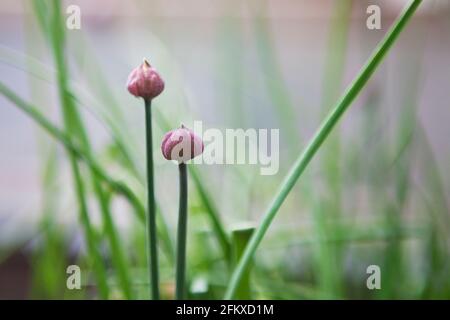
[[151, 218], [182, 231]]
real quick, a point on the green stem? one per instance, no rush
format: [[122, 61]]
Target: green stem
[[182, 232], [316, 141], [151, 222], [240, 238]]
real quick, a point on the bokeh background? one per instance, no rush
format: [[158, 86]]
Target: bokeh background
[[376, 194]]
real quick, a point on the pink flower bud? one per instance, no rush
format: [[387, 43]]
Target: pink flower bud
[[181, 145], [145, 82]]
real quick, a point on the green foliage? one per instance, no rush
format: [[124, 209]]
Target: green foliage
[[323, 259]]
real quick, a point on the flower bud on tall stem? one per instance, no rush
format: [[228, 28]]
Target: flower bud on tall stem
[[146, 83], [181, 145]]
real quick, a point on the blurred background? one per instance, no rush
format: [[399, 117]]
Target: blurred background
[[376, 194]]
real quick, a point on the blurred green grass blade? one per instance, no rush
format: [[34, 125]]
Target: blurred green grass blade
[[75, 128], [435, 176], [55, 37], [117, 253], [212, 213], [110, 111], [41, 11], [280, 289], [63, 138], [436, 248], [273, 77], [41, 71], [317, 140], [50, 254], [327, 204], [336, 53], [49, 262], [395, 257], [164, 235], [354, 234], [230, 65], [93, 252]]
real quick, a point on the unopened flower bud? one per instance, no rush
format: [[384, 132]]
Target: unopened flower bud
[[181, 145], [145, 82]]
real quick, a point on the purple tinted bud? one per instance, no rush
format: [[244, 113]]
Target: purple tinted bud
[[145, 82], [181, 145]]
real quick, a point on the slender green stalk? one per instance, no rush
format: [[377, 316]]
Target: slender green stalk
[[240, 238], [182, 235], [151, 217], [317, 140]]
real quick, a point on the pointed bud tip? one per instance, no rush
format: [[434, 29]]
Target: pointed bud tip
[[145, 63]]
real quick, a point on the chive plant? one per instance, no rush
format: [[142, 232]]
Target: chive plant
[[181, 145], [80, 152], [145, 82]]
